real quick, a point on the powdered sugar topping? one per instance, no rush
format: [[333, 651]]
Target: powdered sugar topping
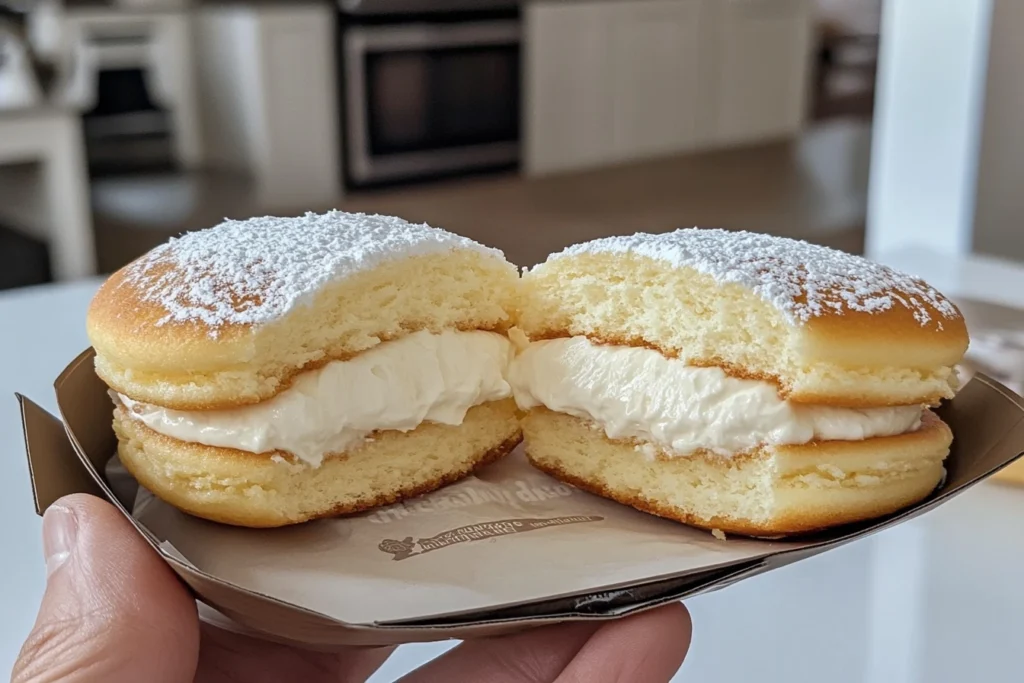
[[802, 280], [253, 272]]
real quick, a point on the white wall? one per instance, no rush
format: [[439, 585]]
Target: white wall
[[928, 110], [999, 204]]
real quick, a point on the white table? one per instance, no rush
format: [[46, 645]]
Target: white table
[[938, 600], [52, 137]]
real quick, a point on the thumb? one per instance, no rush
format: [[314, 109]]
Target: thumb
[[113, 611]]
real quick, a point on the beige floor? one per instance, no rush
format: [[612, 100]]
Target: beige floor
[[813, 188]]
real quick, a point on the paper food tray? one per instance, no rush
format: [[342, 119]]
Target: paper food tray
[[504, 550]]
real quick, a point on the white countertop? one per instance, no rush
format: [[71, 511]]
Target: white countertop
[[939, 599]]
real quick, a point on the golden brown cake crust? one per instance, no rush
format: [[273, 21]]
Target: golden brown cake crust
[[229, 316], [247, 489], [920, 452], [787, 526]]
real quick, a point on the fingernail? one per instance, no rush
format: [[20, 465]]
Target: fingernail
[[59, 531]]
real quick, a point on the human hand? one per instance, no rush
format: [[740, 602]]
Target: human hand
[[114, 612]]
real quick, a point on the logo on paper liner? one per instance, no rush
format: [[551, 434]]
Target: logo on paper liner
[[407, 547]]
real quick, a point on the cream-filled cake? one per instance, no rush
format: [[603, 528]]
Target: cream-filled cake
[[276, 370], [735, 381]]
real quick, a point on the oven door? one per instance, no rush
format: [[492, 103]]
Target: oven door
[[430, 98]]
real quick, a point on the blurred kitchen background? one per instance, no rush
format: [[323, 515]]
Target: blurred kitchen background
[[528, 124], [884, 127]]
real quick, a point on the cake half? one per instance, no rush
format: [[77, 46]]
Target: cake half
[[734, 381], [276, 370]]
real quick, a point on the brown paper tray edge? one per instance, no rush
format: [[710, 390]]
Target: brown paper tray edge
[[35, 421], [482, 624], [26, 436], [197, 579]]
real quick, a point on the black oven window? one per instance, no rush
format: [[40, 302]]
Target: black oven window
[[437, 99]]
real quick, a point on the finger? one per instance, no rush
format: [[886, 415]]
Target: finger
[[534, 656], [648, 647], [232, 656], [113, 611]]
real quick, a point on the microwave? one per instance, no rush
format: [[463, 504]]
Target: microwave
[[429, 95]]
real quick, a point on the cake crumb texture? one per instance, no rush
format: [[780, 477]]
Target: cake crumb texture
[[800, 279], [825, 327]]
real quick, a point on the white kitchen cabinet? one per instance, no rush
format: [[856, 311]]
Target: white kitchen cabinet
[[764, 62], [268, 83], [655, 77], [607, 81], [567, 105]]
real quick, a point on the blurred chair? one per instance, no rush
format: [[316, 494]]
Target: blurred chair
[[18, 85], [51, 200], [44, 192], [154, 39], [845, 79], [847, 57]]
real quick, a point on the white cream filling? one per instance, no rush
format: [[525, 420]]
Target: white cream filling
[[396, 385], [639, 393]]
